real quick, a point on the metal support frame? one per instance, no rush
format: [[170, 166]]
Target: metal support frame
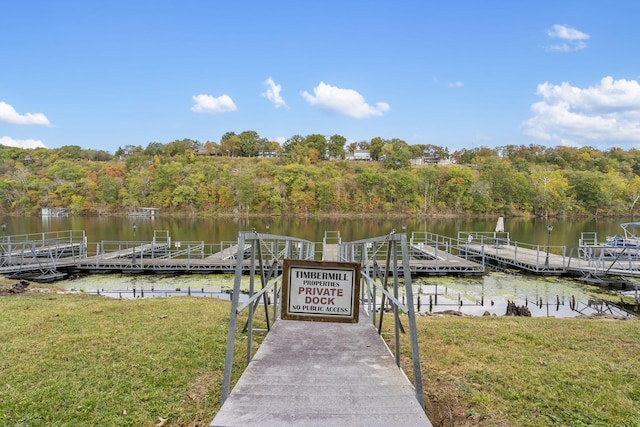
[[364, 251], [278, 248], [397, 262], [523, 256], [29, 254]]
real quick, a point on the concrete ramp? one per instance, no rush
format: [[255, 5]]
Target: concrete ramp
[[322, 374]]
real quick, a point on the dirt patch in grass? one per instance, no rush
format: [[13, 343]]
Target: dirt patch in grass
[[201, 386], [444, 407], [14, 288], [10, 288]]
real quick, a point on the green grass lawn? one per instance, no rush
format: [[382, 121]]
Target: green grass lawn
[[70, 360], [508, 371]]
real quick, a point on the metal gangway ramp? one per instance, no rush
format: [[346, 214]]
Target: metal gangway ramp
[[330, 245], [321, 373]]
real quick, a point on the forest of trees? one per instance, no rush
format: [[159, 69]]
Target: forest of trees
[[310, 177]]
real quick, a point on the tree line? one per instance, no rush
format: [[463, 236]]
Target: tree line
[[310, 176]]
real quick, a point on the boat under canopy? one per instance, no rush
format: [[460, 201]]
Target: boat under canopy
[[628, 240]]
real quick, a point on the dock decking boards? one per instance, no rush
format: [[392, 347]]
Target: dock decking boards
[[322, 374]]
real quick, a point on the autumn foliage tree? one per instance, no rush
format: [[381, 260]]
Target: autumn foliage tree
[[311, 177]]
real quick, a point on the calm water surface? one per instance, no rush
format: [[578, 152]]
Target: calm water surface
[[212, 230], [543, 296]]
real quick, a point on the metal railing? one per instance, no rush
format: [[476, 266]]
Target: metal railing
[[41, 251], [531, 257], [266, 253], [380, 284]]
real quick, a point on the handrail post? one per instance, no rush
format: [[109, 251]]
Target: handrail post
[[233, 323], [417, 372]]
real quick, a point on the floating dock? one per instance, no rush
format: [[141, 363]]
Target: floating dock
[[29, 256], [54, 255]]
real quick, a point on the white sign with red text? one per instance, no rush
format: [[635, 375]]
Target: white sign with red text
[[324, 290]]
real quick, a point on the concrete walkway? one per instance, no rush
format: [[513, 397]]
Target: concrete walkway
[[322, 374]]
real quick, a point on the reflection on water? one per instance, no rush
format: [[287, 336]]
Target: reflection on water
[[543, 296], [148, 285], [111, 282]]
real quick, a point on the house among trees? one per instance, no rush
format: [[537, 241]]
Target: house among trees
[[204, 152], [430, 159], [359, 155], [267, 153]]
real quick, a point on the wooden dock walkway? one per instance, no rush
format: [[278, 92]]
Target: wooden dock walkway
[[520, 257], [330, 252], [322, 374], [424, 260], [523, 258], [534, 260], [428, 260]]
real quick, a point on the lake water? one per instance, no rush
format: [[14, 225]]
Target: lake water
[[212, 230], [543, 296], [469, 295]]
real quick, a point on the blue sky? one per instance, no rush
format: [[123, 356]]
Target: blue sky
[[459, 74]]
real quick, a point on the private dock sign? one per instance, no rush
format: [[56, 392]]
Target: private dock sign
[[320, 291]]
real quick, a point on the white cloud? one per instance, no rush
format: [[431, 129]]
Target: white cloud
[[607, 112], [455, 84], [344, 101], [566, 33], [572, 39], [8, 114], [212, 105], [273, 93], [21, 143]]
